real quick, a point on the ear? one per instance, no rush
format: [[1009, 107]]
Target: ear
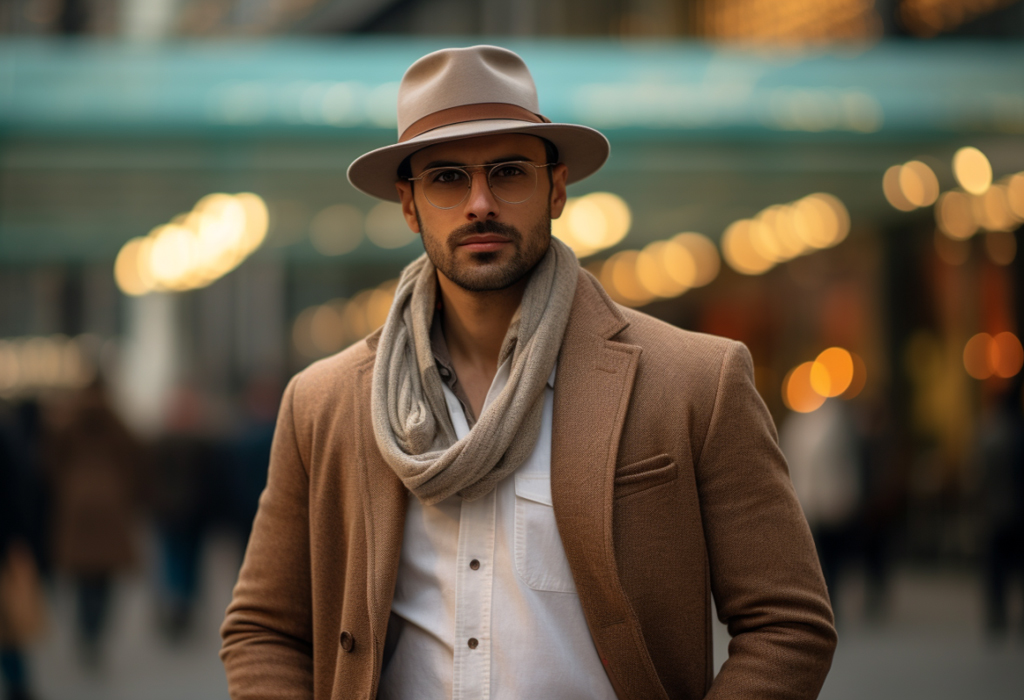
[[559, 175], [405, 191]]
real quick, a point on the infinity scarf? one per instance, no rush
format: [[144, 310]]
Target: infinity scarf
[[410, 415]]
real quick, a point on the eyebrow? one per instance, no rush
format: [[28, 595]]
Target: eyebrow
[[494, 161]]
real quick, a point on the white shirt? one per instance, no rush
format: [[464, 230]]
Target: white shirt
[[512, 627]]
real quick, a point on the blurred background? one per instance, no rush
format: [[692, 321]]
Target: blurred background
[[839, 184]]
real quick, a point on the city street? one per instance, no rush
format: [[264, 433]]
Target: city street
[[931, 646]]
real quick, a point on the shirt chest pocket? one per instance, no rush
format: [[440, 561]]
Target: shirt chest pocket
[[540, 559]]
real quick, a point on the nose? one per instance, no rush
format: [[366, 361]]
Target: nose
[[481, 205]]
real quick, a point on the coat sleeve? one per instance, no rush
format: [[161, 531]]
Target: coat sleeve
[[764, 570], [267, 631]]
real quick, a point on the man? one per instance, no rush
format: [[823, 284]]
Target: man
[[517, 488]]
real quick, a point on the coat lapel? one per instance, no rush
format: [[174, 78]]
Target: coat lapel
[[593, 386], [385, 501]]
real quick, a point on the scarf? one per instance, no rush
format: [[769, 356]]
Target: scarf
[[410, 415]]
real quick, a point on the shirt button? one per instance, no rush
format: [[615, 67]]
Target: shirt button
[[348, 642], [473, 643], [474, 565]]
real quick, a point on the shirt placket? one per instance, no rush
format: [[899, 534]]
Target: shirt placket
[[474, 580]]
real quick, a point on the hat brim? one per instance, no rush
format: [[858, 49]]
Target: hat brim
[[582, 149]]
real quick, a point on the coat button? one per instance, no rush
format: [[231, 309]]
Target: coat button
[[473, 643], [475, 564], [348, 642]]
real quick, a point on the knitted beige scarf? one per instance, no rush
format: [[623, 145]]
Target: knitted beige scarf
[[410, 415]]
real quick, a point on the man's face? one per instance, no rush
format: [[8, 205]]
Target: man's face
[[485, 244]]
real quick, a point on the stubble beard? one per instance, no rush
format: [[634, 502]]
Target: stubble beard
[[484, 273]]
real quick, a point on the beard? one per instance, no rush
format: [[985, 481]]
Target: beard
[[488, 272]]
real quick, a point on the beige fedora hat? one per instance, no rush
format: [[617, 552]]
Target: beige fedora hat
[[461, 93]]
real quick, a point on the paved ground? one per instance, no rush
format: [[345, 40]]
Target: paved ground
[[931, 645]]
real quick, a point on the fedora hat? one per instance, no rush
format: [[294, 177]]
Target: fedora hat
[[461, 93]]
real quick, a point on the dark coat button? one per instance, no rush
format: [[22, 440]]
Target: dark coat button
[[474, 565], [348, 642], [473, 643]]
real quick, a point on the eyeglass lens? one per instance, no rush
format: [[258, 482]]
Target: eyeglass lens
[[512, 183]]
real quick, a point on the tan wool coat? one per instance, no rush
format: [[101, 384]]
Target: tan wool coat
[[668, 487]]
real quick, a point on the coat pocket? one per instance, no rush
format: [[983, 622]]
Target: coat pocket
[[645, 474], [540, 558]]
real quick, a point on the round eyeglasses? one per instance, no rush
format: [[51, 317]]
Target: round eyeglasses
[[446, 187]]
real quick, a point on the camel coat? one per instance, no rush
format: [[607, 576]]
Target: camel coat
[[668, 487]]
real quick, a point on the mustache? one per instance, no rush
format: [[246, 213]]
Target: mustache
[[477, 227]]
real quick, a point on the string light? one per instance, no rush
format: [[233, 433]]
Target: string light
[[783, 231], [194, 248]]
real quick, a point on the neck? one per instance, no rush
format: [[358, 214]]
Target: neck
[[475, 323]]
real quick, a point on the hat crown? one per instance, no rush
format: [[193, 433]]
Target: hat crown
[[456, 77]]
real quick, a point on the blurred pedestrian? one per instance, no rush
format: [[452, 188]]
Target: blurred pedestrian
[[821, 448], [21, 600], [93, 463], [250, 452], [181, 487], [1000, 452]]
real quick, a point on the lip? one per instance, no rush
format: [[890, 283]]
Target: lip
[[483, 242]]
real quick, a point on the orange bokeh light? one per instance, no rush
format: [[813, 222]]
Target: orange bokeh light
[[1000, 356], [797, 392]]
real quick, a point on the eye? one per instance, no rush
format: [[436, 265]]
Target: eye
[[448, 176], [509, 170]]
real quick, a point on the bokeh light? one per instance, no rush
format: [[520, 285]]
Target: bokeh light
[[918, 183], [972, 170], [797, 392], [781, 232], [892, 190], [327, 328], [386, 226], [986, 356], [593, 222], [195, 248], [954, 217], [337, 229], [832, 372]]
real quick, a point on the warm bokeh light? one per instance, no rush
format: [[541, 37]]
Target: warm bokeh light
[[386, 226], [797, 392], [918, 183], [1006, 355], [954, 217], [739, 251], [986, 356], [972, 170], [1015, 195], [976, 356], [1001, 247], [330, 327], [782, 231], [832, 372], [892, 190], [652, 269], [337, 229], [859, 379], [620, 279], [593, 222], [45, 362], [992, 210], [195, 248], [705, 256]]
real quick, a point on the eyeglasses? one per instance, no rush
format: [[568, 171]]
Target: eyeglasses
[[447, 187]]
